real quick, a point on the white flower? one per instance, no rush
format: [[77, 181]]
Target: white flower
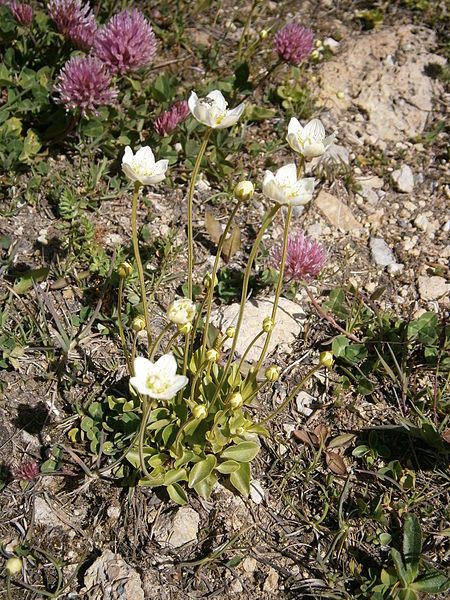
[[158, 380], [142, 166], [212, 110], [285, 188], [181, 311], [309, 140]]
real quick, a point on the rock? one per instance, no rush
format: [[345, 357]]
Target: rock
[[49, 516], [383, 75], [331, 43], [257, 492], [288, 324], [337, 213], [249, 564], [403, 179], [236, 587], [433, 288], [381, 253], [303, 402], [233, 509], [178, 529], [111, 578], [271, 583], [367, 187]]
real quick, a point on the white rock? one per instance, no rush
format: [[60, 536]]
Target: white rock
[[404, 179], [288, 324], [111, 577], [49, 516], [257, 492], [303, 402], [178, 529], [337, 213], [383, 255], [433, 288], [331, 43]]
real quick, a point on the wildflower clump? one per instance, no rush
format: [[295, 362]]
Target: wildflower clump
[[293, 43], [75, 21], [126, 43], [83, 83]]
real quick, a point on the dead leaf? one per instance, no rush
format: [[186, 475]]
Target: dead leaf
[[307, 437], [446, 436], [341, 440], [232, 244], [213, 227], [322, 432], [336, 463]]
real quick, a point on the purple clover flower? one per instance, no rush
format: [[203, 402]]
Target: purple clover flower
[[169, 120], [23, 13], [26, 471], [75, 21], [294, 43], [83, 83], [304, 257], [126, 43]]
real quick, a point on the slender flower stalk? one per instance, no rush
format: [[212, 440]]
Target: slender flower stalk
[[245, 31], [137, 258], [120, 326]]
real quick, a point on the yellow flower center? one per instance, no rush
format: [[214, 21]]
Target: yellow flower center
[[157, 384]]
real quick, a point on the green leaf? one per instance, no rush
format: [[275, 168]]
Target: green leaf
[[258, 113], [243, 452], [365, 386], [25, 282], [355, 353], [432, 583], [31, 146], [240, 479], [425, 328], [241, 75], [229, 466], [339, 345], [400, 567], [174, 475], [92, 128], [177, 494], [336, 303], [205, 486], [202, 470], [87, 423], [412, 544]]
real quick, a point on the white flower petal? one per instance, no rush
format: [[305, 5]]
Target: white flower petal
[[129, 172], [166, 365], [145, 156], [315, 130], [192, 102], [294, 127], [293, 141], [287, 174], [217, 97]]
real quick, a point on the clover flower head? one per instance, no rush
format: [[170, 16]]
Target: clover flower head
[[181, 311], [310, 140], [169, 120], [23, 13], [212, 110], [157, 380], [84, 83], [305, 257], [26, 471], [285, 188], [126, 43], [142, 166], [74, 20], [294, 43]]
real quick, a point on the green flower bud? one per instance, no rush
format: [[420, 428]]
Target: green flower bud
[[230, 332], [244, 190], [212, 355], [268, 324], [236, 400], [315, 54], [207, 280], [199, 412], [272, 373], [318, 43], [186, 328], [124, 270], [138, 323], [326, 359], [263, 34], [13, 565]]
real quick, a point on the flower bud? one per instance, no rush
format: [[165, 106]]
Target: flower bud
[[13, 565], [315, 54], [268, 324], [263, 34], [272, 373], [212, 355], [340, 95], [181, 311], [326, 359], [124, 270], [186, 328], [230, 332], [236, 400], [207, 279], [240, 431], [199, 412], [318, 43], [138, 323], [244, 190]]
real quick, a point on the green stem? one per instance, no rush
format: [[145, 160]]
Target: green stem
[[297, 388], [267, 221], [137, 258], [145, 413], [190, 205], [279, 286], [158, 340], [249, 347], [245, 31], [133, 350], [120, 325], [171, 341], [196, 378], [213, 276]]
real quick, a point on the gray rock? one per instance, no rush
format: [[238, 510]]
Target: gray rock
[[288, 324], [50, 516], [433, 288], [337, 213], [404, 179], [111, 578], [179, 528]]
